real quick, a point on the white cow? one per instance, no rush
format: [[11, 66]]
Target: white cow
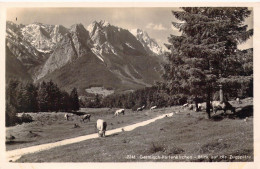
[[66, 116], [85, 117], [238, 100], [101, 127], [217, 105], [139, 109], [169, 115], [120, 111], [202, 106], [154, 107], [185, 105]]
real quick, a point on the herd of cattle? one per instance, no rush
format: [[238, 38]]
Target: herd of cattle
[[215, 106], [101, 124]]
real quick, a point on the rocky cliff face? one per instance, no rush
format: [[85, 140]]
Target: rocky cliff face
[[75, 43], [42, 36]]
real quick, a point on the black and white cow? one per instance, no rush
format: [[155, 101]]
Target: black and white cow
[[120, 111], [86, 117], [217, 105]]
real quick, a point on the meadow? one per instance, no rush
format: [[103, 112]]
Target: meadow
[[186, 136]]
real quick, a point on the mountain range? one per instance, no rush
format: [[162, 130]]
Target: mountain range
[[100, 55]]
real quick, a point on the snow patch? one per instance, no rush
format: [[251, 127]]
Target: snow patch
[[113, 50], [44, 51], [90, 27], [97, 53], [104, 23], [127, 44]]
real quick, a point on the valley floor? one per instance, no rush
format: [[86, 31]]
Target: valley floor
[[186, 136]]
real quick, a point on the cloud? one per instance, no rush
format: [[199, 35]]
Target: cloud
[[159, 27]]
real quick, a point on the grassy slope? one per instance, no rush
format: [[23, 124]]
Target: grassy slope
[[187, 133], [51, 127]]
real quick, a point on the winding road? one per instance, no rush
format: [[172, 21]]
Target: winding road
[[14, 155]]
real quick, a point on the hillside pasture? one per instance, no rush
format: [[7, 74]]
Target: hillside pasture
[[186, 136], [51, 126]]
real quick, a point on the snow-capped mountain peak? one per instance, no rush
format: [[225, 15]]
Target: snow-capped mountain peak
[[104, 23], [148, 43], [100, 24]]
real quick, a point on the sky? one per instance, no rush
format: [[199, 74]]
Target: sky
[[155, 21]]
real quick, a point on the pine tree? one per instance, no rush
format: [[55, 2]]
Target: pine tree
[[43, 97], [10, 114], [65, 103], [74, 99], [12, 92], [11, 102], [22, 98], [32, 93], [201, 54]]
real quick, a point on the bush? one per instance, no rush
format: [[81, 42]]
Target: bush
[[156, 148], [26, 118]]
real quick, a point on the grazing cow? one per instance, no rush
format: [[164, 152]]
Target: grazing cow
[[217, 105], [139, 109], [177, 112], [169, 115], [85, 117], [154, 107], [202, 106], [238, 100], [66, 116], [185, 105], [120, 111], [101, 127]]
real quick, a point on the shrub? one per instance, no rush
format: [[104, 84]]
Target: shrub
[[26, 118], [156, 148]]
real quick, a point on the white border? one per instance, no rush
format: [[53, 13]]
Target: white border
[[153, 165]]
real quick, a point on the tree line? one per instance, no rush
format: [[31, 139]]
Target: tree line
[[43, 97]]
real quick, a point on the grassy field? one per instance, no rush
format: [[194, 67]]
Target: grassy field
[[187, 136], [51, 127]]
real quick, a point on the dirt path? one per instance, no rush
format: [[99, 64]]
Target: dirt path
[[14, 155]]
